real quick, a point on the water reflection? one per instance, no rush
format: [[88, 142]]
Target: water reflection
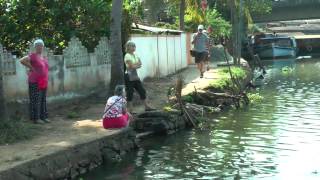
[[279, 139]]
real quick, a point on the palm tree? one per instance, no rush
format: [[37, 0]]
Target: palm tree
[[117, 74]]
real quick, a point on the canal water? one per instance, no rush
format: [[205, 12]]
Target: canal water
[[277, 139]]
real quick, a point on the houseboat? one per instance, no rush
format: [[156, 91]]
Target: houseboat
[[308, 45], [275, 47]]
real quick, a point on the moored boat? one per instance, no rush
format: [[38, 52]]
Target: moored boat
[[276, 47]]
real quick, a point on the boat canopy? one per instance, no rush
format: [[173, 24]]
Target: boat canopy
[[307, 37]]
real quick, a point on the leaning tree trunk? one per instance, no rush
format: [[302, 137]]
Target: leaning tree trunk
[[3, 106], [182, 13], [117, 74]]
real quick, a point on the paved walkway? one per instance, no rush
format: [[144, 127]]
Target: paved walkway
[[64, 133]]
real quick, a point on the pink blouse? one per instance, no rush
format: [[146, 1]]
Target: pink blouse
[[40, 71]]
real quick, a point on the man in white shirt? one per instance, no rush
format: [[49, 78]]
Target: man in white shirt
[[201, 46]]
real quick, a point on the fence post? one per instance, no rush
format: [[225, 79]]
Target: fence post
[[3, 105]]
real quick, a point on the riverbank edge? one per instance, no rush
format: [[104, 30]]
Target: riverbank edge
[[82, 158], [76, 160]]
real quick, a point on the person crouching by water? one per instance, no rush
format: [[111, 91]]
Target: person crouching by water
[[132, 79], [115, 113], [38, 82]]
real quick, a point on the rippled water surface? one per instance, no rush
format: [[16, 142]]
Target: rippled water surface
[[278, 139]]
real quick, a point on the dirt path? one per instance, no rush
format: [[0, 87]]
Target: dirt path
[[64, 132]]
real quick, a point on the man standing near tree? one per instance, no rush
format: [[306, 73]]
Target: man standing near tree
[[201, 46]]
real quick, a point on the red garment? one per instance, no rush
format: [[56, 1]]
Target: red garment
[[117, 122], [40, 71]]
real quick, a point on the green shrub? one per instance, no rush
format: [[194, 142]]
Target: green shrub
[[73, 114], [221, 83], [255, 98], [187, 98], [237, 72]]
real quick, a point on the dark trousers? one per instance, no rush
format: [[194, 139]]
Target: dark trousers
[[37, 103], [134, 85]]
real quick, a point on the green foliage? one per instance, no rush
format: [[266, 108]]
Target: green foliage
[[193, 16], [259, 6], [15, 130], [287, 70], [73, 115], [135, 8], [225, 82], [255, 98], [54, 21], [187, 98], [166, 25], [169, 108], [237, 72], [221, 84], [221, 27]]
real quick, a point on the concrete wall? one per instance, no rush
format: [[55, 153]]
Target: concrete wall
[[161, 55], [79, 73], [75, 73]]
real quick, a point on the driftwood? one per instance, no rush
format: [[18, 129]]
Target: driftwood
[[202, 108], [188, 116], [212, 97]]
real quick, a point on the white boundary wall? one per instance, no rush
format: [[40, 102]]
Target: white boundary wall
[[78, 73], [161, 55]]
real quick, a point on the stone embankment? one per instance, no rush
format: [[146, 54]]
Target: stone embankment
[[76, 160]]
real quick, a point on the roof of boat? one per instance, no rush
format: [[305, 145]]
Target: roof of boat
[[307, 36], [276, 37]]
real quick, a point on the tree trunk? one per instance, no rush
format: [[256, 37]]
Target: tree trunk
[[117, 74], [233, 30], [236, 29], [182, 12], [3, 106]]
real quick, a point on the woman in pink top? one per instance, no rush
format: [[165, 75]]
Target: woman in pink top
[[115, 113], [38, 82]]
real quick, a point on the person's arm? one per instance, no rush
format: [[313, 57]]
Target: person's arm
[[194, 38], [26, 62], [207, 43], [124, 107], [131, 65]]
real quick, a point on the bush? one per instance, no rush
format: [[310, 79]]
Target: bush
[[255, 98], [237, 72], [187, 98], [225, 81], [73, 115], [166, 25]]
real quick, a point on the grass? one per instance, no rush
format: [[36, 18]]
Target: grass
[[12, 131], [237, 72], [73, 115], [225, 81]]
